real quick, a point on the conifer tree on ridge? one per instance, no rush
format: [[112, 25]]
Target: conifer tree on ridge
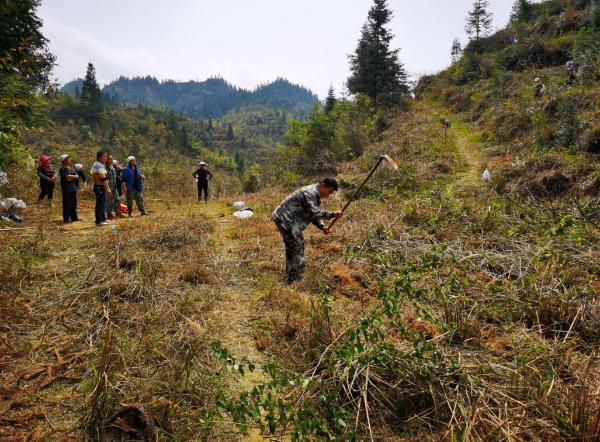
[[479, 20], [91, 96], [376, 70]]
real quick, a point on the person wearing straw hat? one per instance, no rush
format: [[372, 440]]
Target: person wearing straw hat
[[202, 176], [46, 174], [68, 183], [133, 177]]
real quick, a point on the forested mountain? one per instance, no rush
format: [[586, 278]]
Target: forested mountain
[[211, 98]]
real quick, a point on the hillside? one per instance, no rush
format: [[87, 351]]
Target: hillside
[[212, 98], [546, 144], [436, 298], [440, 308]]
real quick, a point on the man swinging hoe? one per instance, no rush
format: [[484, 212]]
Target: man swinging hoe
[[303, 207], [294, 214]]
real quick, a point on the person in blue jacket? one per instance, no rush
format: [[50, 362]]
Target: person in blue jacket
[[133, 181]]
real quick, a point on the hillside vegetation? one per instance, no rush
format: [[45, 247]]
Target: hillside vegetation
[[441, 307], [543, 145]]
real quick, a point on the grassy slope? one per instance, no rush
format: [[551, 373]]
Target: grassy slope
[[509, 300], [84, 336]]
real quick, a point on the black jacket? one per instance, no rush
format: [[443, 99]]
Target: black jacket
[[203, 175]]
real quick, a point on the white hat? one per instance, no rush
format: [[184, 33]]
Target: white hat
[[78, 166], [202, 163], [130, 158], [537, 80], [63, 157]]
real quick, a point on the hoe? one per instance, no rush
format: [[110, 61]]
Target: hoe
[[381, 159]]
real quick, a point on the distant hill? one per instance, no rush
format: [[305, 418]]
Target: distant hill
[[212, 98]]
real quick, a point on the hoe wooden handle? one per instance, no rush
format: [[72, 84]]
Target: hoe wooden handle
[[381, 159], [357, 191]]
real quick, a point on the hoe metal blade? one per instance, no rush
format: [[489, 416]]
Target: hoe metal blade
[[390, 161]]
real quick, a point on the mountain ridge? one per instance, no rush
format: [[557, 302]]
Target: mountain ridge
[[211, 98]]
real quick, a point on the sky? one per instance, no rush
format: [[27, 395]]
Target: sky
[[247, 42]]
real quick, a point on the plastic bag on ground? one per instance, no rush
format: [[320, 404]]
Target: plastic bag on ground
[[12, 204], [486, 175], [243, 214]]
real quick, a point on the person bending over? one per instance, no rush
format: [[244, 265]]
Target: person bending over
[[293, 216]]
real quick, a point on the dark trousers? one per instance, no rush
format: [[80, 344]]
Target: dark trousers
[[46, 189], [69, 200], [100, 193], [203, 187], [294, 253], [139, 200], [113, 203]]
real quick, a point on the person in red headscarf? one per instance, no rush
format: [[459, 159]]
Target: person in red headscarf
[[46, 174]]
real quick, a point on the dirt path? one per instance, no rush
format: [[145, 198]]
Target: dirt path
[[470, 153], [468, 148], [236, 309]]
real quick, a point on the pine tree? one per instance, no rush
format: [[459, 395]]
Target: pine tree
[[210, 125], [479, 20], [230, 134], [25, 66], [112, 136], [522, 10], [330, 100], [456, 51], [77, 91], [283, 120], [91, 96], [376, 70], [472, 70], [183, 138], [240, 162]]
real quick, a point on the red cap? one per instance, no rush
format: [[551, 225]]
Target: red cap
[[45, 158]]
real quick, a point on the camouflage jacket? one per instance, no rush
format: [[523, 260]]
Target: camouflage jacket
[[111, 175], [301, 208]]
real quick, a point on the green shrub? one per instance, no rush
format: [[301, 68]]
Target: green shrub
[[317, 144], [568, 125]]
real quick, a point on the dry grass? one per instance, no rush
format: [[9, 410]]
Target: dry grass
[[503, 304], [85, 335], [508, 300]]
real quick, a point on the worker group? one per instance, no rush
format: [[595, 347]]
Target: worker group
[[111, 182]]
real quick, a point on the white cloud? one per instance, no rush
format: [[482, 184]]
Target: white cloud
[[74, 49], [245, 42]]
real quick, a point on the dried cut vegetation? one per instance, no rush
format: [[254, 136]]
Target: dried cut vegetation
[[451, 311], [442, 308], [111, 321]]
